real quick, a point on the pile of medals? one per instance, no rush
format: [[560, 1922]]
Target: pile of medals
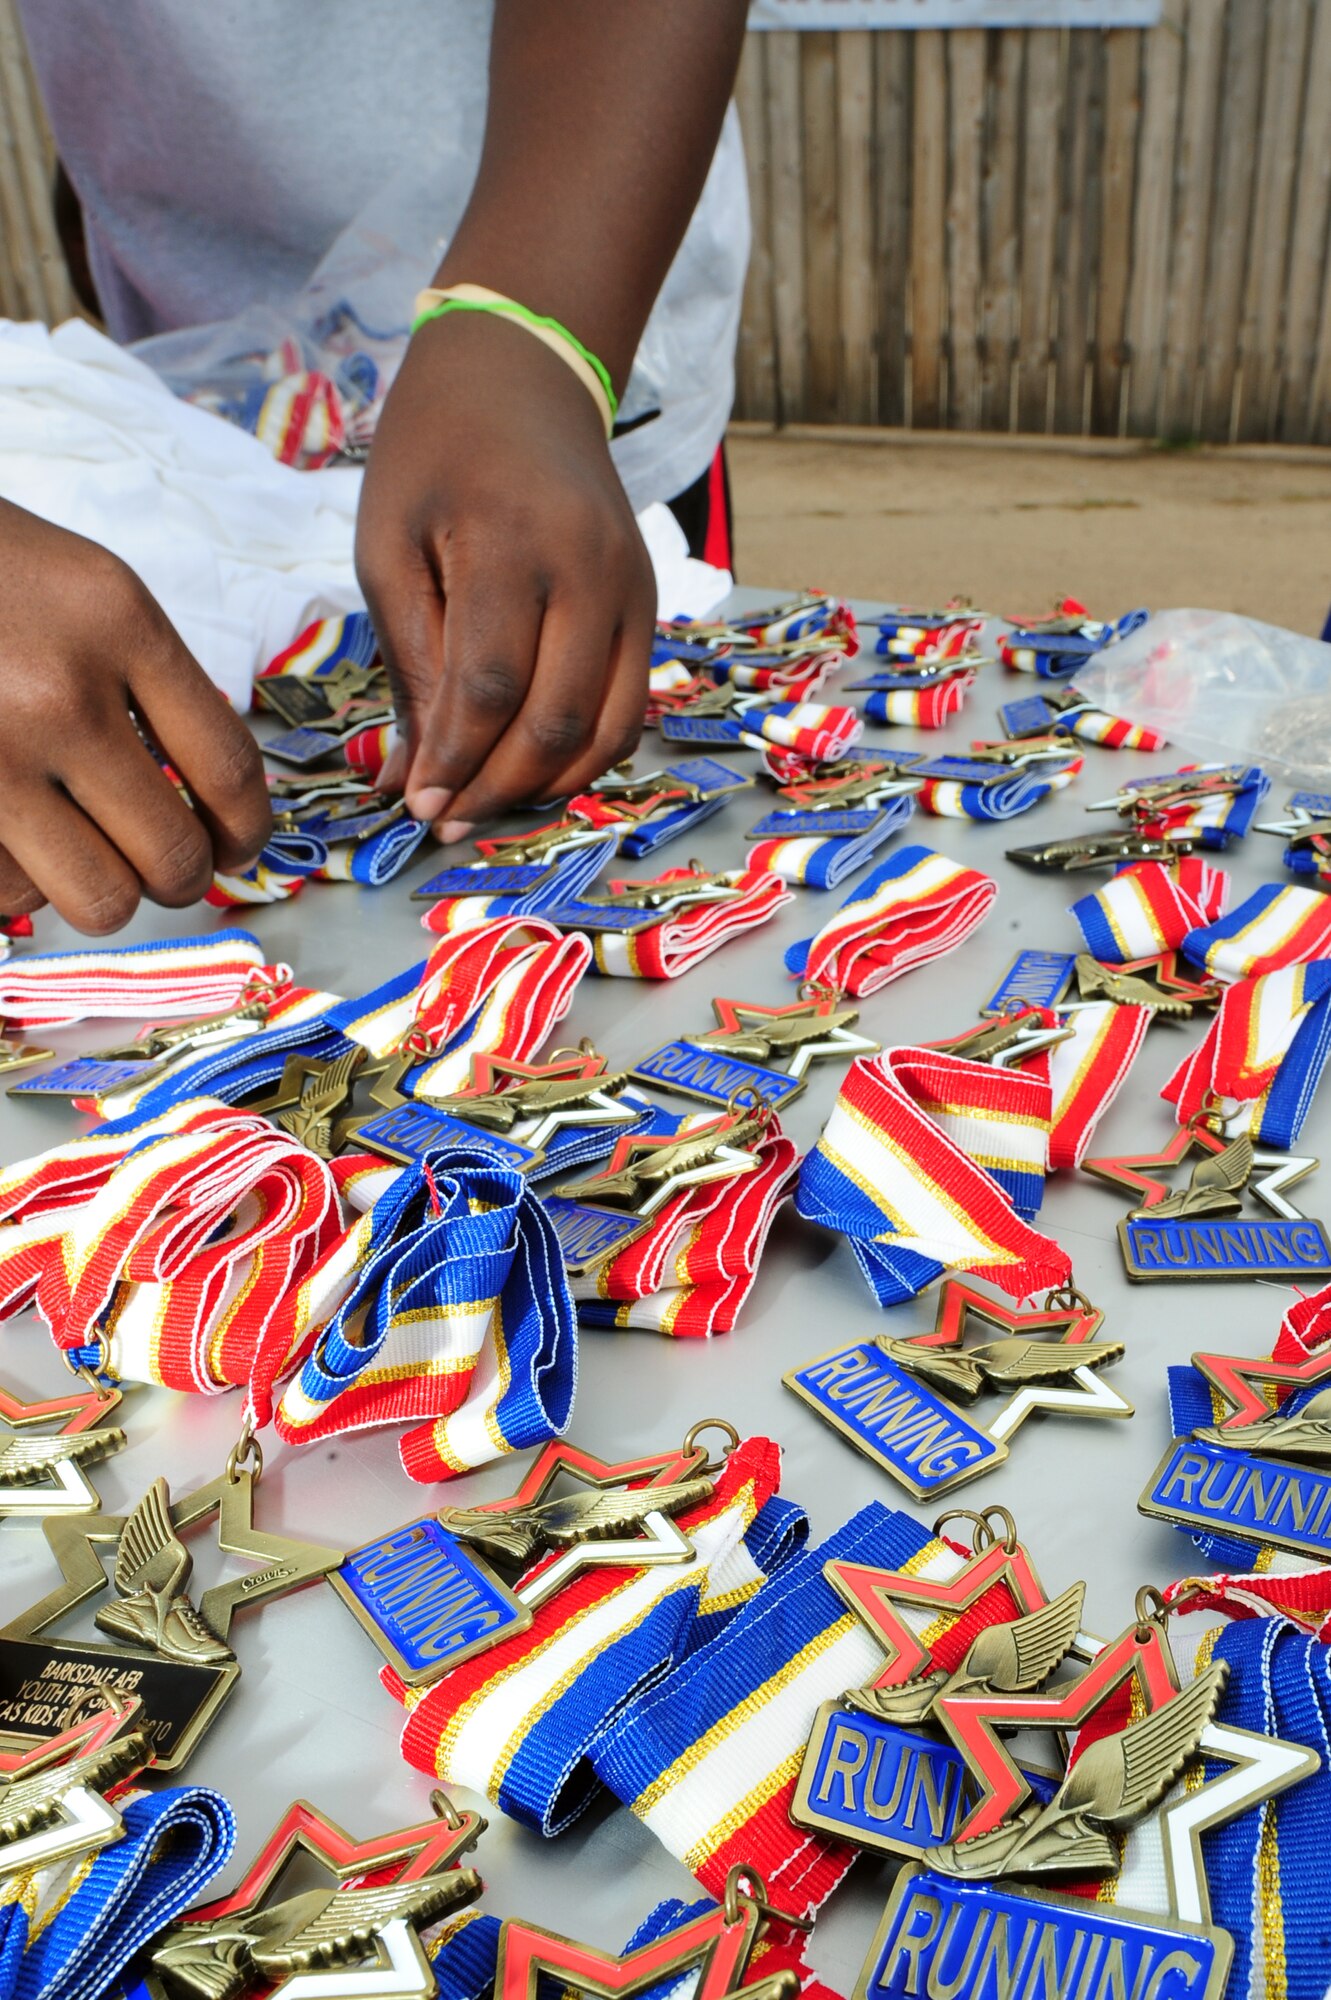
[[395, 1209]]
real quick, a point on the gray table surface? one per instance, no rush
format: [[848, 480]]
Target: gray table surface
[[309, 1718]]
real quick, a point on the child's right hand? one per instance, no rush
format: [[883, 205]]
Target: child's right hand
[[88, 823]]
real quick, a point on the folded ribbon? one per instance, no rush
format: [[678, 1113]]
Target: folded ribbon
[[678, 942], [1263, 1055], [166, 979], [916, 906], [919, 704], [1274, 927], [959, 788], [1150, 907], [917, 1167], [689, 1275], [821, 860], [86, 1921]]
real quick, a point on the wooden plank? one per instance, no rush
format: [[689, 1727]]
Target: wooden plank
[[34, 246], [755, 369], [785, 168], [1078, 227], [1277, 157], [1194, 177], [1039, 223], [854, 107], [891, 216], [1239, 109], [965, 125], [821, 237], [1148, 287], [999, 301], [1309, 250], [1123, 57], [927, 217]]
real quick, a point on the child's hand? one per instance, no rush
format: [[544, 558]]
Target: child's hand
[[508, 582], [88, 822]]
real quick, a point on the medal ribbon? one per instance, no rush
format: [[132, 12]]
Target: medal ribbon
[[519, 1721], [915, 906], [85, 1921], [167, 979], [1150, 907], [564, 880], [326, 645], [894, 1172], [1263, 1055], [709, 1757], [780, 1950], [370, 749], [445, 1305], [1211, 820], [667, 949], [820, 862], [821, 616], [689, 1275], [1086, 1073], [1276, 926], [978, 791], [1111, 732], [1057, 655], [919, 704], [814, 729], [903, 635], [798, 676]]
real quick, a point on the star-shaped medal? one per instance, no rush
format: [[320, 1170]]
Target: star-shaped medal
[[1133, 1171], [1243, 1381], [53, 1803], [535, 1100], [808, 1031], [45, 1476], [193, 1692], [717, 1944], [644, 1172], [363, 1928]]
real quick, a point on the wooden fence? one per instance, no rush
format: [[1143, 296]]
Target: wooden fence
[[1121, 232], [1112, 233]]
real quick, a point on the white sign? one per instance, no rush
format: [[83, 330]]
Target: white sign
[[954, 13]]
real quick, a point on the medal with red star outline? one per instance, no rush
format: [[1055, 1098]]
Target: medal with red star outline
[[1133, 1170], [718, 1944], [818, 1027], [45, 1476], [56, 1799]]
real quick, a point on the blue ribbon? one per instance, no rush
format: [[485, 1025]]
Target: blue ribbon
[[173, 1844], [1059, 654], [489, 1238]]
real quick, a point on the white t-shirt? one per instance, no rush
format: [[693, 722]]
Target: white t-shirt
[[222, 151]]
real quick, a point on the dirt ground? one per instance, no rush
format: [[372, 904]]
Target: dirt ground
[[1012, 527]]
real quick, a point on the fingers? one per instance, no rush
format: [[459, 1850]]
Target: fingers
[[70, 862], [143, 816], [406, 604], [491, 636], [206, 741], [19, 897]]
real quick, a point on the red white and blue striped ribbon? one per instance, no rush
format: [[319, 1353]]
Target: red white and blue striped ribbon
[[816, 861], [1086, 1073], [690, 1273], [907, 635], [915, 702], [324, 646], [166, 979], [667, 949], [518, 1721], [709, 1758], [1275, 927], [814, 729], [959, 788], [915, 906], [1150, 907], [1263, 1055], [914, 1168]]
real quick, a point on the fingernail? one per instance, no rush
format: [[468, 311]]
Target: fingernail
[[451, 830], [430, 803]]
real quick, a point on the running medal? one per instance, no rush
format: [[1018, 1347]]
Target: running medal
[[1034, 979], [1257, 1466], [52, 1807], [878, 1771], [1100, 850], [767, 1050], [171, 1653], [358, 1936], [715, 1947], [1198, 1229], [1131, 1806], [430, 1594], [148, 1057], [896, 1399], [42, 1476]]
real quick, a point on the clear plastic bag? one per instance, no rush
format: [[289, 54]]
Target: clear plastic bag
[[1225, 688]]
